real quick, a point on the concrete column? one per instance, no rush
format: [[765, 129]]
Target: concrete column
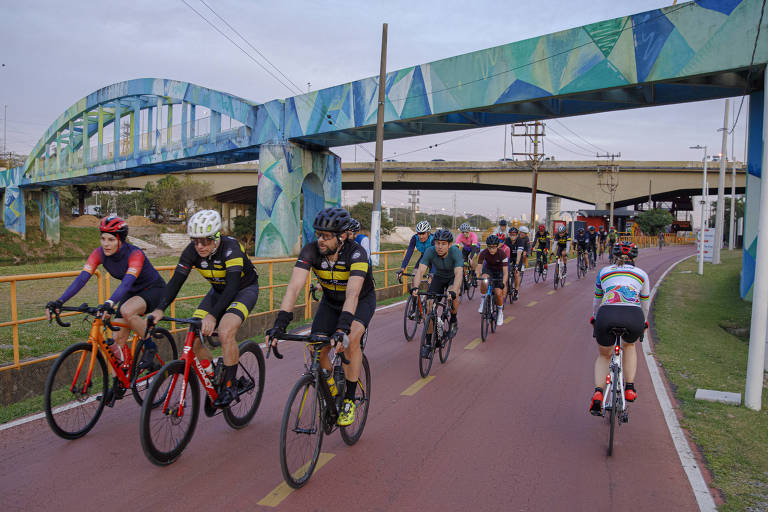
[[13, 210], [49, 215], [184, 126], [191, 121], [752, 203], [285, 171], [169, 135], [159, 111], [136, 129], [215, 125], [553, 207], [149, 127]]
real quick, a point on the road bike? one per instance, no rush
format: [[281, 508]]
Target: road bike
[[414, 312], [169, 415], [540, 270], [440, 337], [591, 254], [468, 283], [313, 407], [512, 291], [78, 381], [559, 279], [581, 264], [602, 250], [614, 402], [490, 313]]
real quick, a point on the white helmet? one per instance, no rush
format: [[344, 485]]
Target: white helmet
[[464, 227], [561, 229], [523, 229], [423, 227], [205, 223]]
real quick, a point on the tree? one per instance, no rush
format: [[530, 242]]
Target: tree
[[362, 212], [245, 227], [727, 217], [170, 195], [652, 222]]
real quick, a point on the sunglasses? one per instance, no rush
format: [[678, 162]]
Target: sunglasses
[[325, 236]]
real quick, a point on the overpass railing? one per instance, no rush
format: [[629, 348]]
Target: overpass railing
[[25, 348]]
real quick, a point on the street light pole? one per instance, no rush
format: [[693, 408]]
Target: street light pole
[[703, 202], [720, 213]]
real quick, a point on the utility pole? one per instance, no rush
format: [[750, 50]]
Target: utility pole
[[703, 208], [453, 222], [376, 213], [413, 199], [533, 135], [720, 213], [608, 179]]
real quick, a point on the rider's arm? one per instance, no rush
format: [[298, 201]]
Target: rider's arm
[[409, 252], [358, 269], [180, 274], [89, 268], [505, 270], [645, 296], [295, 284], [135, 264], [458, 270], [420, 270]]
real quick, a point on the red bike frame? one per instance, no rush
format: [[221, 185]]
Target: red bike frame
[[190, 361]]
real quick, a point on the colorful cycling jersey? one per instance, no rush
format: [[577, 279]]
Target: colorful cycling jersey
[[542, 240], [623, 285], [561, 239], [227, 268], [420, 246], [493, 262], [333, 275], [443, 266], [466, 241], [129, 265]]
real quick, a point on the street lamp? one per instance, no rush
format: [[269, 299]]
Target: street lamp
[[703, 204]]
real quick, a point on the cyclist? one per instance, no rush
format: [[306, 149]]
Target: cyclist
[[519, 246], [541, 243], [359, 238], [581, 239], [501, 231], [495, 270], [421, 241], [592, 245], [661, 239], [141, 287], [448, 266], [467, 242], [621, 298], [602, 237], [561, 246], [611, 243], [234, 291], [349, 299]]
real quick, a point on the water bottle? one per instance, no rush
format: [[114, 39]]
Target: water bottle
[[439, 327], [331, 382]]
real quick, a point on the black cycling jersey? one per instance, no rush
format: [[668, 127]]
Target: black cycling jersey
[[333, 276], [562, 239], [542, 239]]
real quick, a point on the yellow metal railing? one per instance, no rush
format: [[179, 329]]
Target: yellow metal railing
[[104, 290]]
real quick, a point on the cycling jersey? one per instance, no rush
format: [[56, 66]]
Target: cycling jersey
[[129, 265], [443, 266], [420, 246], [466, 241], [581, 239], [493, 262], [602, 235], [542, 240], [623, 285], [334, 275], [561, 239], [227, 268]]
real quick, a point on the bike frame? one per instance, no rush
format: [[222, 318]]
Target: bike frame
[[97, 340], [190, 361], [615, 368]]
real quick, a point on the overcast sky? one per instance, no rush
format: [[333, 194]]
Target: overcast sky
[[55, 53]]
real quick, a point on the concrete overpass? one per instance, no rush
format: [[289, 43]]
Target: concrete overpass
[[577, 180]]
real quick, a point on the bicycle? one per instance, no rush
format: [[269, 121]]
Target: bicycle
[[540, 271], [413, 314], [559, 279], [468, 283], [592, 261], [313, 406], [614, 402], [442, 337], [581, 265], [511, 289], [165, 428], [490, 313], [78, 381]]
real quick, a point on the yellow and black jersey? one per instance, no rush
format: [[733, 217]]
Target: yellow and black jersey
[[229, 257], [561, 239], [333, 275], [542, 240]]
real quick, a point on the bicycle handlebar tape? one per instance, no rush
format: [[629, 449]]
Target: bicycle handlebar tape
[[284, 318], [344, 323]]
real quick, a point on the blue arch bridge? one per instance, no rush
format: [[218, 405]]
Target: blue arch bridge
[[687, 52]]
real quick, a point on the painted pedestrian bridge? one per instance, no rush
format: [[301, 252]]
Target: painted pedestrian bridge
[[691, 51]]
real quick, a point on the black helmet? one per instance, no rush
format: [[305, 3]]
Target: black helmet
[[513, 229], [443, 235], [625, 248], [335, 220], [581, 231], [502, 222], [492, 240], [354, 225], [591, 228]]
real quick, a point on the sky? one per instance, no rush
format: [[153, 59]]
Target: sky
[[55, 53]]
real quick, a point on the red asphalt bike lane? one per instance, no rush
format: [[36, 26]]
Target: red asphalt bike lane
[[503, 426]]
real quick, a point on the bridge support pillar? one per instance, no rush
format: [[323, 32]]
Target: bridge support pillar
[[752, 205], [49, 215], [13, 211], [287, 170]]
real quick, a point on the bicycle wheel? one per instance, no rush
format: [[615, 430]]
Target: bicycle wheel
[[425, 363], [484, 319], [445, 346], [613, 400], [166, 430], [301, 432], [72, 408], [351, 433], [471, 288], [556, 278], [250, 384], [410, 317], [493, 317], [537, 272], [166, 352]]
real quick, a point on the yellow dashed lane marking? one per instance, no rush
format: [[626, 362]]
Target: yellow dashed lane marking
[[531, 304], [283, 490], [472, 344], [551, 292], [416, 386], [508, 319]]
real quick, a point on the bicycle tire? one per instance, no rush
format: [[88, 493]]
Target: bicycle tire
[[155, 421], [471, 289], [66, 418], [612, 414], [410, 325], [556, 278], [425, 363], [445, 346], [250, 372], [351, 433], [483, 319], [297, 473], [538, 272], [166, 352], [494, 317]]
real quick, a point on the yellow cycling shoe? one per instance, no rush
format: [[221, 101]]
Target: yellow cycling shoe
[[347, 413]]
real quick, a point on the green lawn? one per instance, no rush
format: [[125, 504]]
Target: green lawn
[[701, 324]]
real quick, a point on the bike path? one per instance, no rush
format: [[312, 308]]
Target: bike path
[[502, 426]]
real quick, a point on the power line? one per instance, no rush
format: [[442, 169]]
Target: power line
[[570, 141], [749, 71], [443, 142], [568, 150], [579, 136]]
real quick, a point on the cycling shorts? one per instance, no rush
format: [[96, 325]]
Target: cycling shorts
[[496, 279], [152, 295], [610, 316], [327, 314], [467, 251], [241, 306], [440, 283], [560, 250]]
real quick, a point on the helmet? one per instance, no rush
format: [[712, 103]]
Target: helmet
[[354, 225], [205, 223], [601, 228], [613, 228], [513, 229], [541, 228], [443, 235], [492, 240], [581, 231], [423, 227], [624, 248], [335, 220], [464, 227], [502, 222], [561, 229], [524, 229], [591, 228], [114, 225]]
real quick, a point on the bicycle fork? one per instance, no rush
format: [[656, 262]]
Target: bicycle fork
[[615, 381]]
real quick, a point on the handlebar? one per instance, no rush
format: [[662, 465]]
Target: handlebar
[[312, 290], [194, 323], [314, 339], [82, 308]]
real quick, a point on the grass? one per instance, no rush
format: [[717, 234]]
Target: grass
[[76, 243], [706, 347]]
